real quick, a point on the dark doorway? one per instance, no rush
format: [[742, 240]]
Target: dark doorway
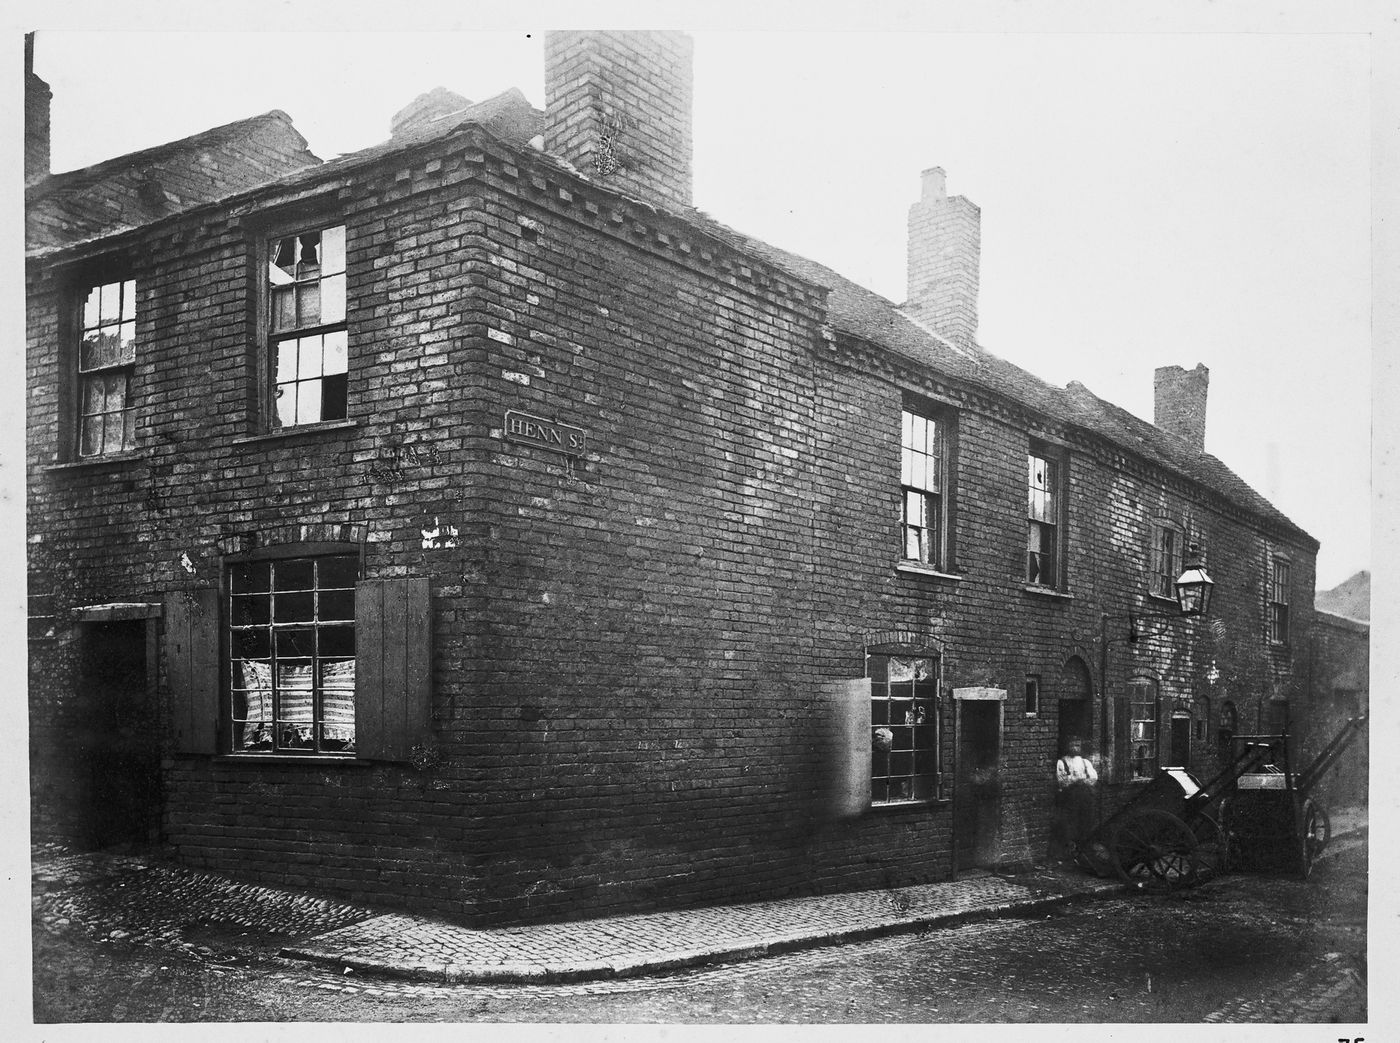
[[978, 808], [1074, 724], [1075, 708], [115, 736], [1180, 755]]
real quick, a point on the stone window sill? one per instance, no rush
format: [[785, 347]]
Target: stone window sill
[[281, 434], [279, 759], [908, 805], [1047, 592], [113, 459], [911, 568]]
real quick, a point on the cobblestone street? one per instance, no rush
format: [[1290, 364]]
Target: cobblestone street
[[1243, 949]]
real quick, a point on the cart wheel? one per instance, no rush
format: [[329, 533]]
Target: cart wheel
[[1095, 856], [1316, 832], [1155, 849], [1319, 830], [1212, 853]]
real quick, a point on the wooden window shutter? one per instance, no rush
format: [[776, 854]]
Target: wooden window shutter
[[848, 705], [192, 667], [393, 666]]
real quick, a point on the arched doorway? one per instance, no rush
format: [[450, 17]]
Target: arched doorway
[[1076, 720]]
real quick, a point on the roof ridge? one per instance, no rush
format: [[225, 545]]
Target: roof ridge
[[69, 178]]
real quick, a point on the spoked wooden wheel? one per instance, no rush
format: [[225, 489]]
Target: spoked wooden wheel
[[1316, 832], [1212, 853], [1156, 849]]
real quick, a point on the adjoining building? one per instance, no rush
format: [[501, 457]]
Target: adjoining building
[[469, 523]]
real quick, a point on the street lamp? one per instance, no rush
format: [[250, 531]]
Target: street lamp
[[1193, 588]]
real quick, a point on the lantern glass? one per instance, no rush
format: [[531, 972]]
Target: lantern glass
[[1193, 592]]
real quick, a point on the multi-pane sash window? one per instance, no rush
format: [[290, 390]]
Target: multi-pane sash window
[[292, 661], [306, 326], [922, 464], [106, 361], [904, 730], [1042, 512], [1278, 601], [1166, 561], [1142, 733]]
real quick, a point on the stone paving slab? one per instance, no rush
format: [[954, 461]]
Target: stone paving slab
[[409, 946]]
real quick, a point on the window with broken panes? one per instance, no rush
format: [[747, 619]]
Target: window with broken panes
[[307, 338], [1278, 601], [1166, 560], [903, 720], [1042, 511], [922, 466], [106, 362], [292, 661]]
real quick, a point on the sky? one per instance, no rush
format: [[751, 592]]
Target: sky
[[1148, 198]]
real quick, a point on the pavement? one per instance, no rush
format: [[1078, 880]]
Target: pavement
[[140, 899]]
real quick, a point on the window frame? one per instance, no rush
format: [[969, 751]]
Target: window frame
[[928, 730], [1143, 710], [76, 287], [1054, 488], [1278, 599], [1165, 568], [936, 503], [269, 235], [1033, 690], [284, 555]]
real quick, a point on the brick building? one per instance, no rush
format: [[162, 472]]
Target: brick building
[[1341, 683], [470, 523]]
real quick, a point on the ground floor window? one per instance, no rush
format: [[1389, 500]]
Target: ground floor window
[[1135, 738], [904, 763], [292, 654]]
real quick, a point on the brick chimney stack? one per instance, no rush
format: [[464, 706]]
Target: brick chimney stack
[[618, 107], [37, 99], [945, 256], [1179, 402]]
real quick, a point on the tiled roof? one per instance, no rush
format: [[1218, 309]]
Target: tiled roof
[[132, 190], [243, 157], [854, 310]]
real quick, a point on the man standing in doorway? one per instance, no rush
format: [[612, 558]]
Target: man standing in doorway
[[1075, 779]]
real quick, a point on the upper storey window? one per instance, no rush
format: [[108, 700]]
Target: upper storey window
[[923, 467], [106, 362], [1278, 601], [1166, 560], [307, 338], [1043, 512]]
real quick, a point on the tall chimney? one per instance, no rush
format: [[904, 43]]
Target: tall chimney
[[945, 255], [1179, 402], [618, 107], [37, 99]]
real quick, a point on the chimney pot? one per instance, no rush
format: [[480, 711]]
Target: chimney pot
[[935, 185]]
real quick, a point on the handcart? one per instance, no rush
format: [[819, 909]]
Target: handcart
[[1256, 813], [1169, 835], [1272, 820]]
